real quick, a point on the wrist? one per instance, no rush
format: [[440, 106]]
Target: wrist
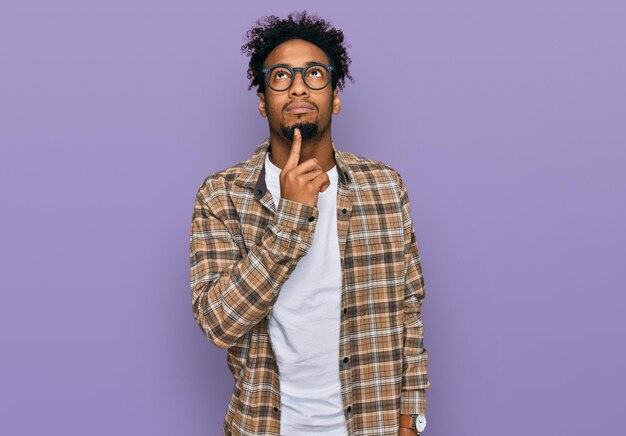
[[406, 425]]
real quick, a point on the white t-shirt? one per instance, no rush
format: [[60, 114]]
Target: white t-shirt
[[304, 325]]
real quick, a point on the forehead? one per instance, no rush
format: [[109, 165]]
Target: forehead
[[296, 52]]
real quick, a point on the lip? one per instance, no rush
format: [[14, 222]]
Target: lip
[[300, 108]]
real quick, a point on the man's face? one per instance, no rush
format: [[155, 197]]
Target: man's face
[[278, 106]]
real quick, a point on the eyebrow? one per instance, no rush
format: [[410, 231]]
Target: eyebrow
[[289, 65]]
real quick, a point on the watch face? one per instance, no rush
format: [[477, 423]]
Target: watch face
[[420, 422]]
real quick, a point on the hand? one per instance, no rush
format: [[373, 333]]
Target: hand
[[406, 432], [302, 183]]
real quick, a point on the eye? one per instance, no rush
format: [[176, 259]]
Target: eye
[[281, 74], [315, 72]]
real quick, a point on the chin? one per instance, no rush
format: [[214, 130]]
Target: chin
[[309, 130]]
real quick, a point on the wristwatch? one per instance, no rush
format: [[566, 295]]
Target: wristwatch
[[419, 422]]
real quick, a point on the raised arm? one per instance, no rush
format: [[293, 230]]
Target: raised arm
[[231, 292]]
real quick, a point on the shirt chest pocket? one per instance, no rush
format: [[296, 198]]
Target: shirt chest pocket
[[377, 260]]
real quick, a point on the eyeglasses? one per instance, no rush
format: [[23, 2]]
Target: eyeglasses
[[280, 77]]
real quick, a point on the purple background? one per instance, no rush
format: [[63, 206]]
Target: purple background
[[506, 120]]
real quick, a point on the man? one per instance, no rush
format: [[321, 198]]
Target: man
[[304, 263]]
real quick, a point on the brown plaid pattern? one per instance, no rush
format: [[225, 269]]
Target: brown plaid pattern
[[242, 249]]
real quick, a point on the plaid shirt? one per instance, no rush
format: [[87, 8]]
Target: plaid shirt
[[242, 250]]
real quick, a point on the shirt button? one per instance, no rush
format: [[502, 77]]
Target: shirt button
[[311, 218], [345, 310], [259, 191], [275, 409], [344, 211], [349, 409], [345, 360]]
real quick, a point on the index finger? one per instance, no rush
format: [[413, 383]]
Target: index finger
[[294, 155]]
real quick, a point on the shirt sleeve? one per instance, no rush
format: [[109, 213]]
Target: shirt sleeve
[[415, 356], [231, 292]]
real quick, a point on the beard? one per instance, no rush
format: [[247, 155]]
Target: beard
[[307, 130]]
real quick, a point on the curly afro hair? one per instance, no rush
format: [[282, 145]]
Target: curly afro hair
[[271, 31]]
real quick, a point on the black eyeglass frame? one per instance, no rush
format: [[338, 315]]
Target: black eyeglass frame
[[293, 72]]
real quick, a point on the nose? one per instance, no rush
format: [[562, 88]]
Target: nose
[[298, 87]]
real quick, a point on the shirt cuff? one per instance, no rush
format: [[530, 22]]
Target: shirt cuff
[[292, 215], [292, 229]]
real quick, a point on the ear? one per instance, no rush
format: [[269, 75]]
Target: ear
[[336, 101], [262, 104]]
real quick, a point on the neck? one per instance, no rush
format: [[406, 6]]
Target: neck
[[319, 147]]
